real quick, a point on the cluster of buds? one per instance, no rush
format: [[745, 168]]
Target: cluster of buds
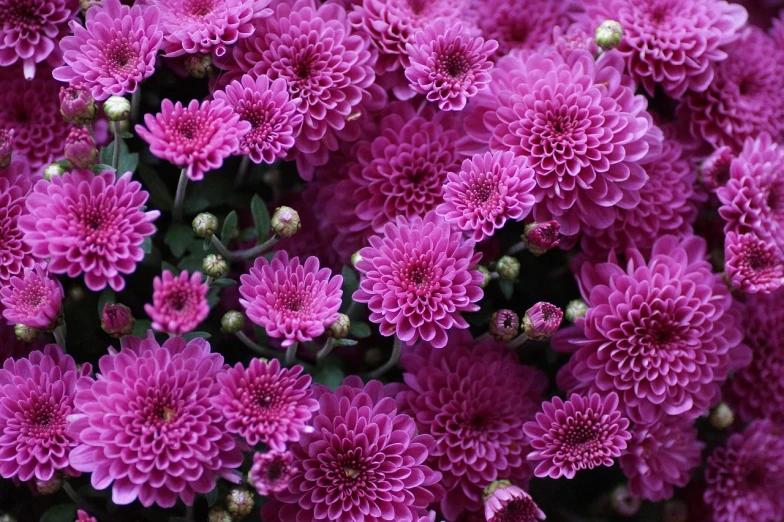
[[238, 505]]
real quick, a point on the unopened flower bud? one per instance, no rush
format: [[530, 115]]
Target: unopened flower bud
[[56, 169], [356, 257], [576, 308], [542, 320], [715, 170], [117, 320], [214, 266], [219, 514], [339, 329], [25, 334], [508, 268], [199, 65], [504, 325], [117, 108], [722, 417], [623, 502], [232, 321], [7, 517], [541, 237], [485, 274], [51, 486], [6, 147], [505, 501], [80, 149], [675, 511], [205, 225], [87, 4], [285, 221], [239, 503], [77, 105], [608, 35]]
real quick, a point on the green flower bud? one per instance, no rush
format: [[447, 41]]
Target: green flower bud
[[575, 309], [485, 274], [285, 221], [608, 35], [232, 322], [339, 329], [722, 416], [239, 503], [25, 333], [199, 65], [214, 266], [508, 268], [205, 225], [56, 169], [219, 514], [117, 108]]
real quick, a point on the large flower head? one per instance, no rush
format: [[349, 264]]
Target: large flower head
[[418, 276], [33, 299], [659, 331], [15, 254], [91, 224], [473, 399], [179, 302], [36, 400], [115, 50], [362, 461], [292, 300], [147, 426], [197, 137]]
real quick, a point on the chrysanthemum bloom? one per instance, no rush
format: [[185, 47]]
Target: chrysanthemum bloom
[[30, 32], [715, 169], [668, 311], [117, 320], [744, 97], [37, 395], [197, 137], [327, 67], [751, 264], [271, 472], [77, 105], [508, 503], [179, 302], [89, 223], [504, 325], [266, 403], [362, 461], [114, 52], [542, 320], [488, 190], [744, 478], [33, 299], [15, 253], [661, 457], [473, 399], [147, 426], [291, 300], [418, 276], [674, 48], [273, 116], [581, 433], [83, 516], [580, 127], [448, 65]]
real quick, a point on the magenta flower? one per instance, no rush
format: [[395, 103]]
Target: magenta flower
[[266, 403], [34, 300], [179, 302], [37, 395], [488, 190], [77, 105], [448, 65], [473, 399], [83, 516], [30, 31], [15, 254], [661, 457], [114, 52], [418, 276], [6, 147], [151, 403], [581, 433], [362, 462], [291, 300], [271, 472], [90, 224], [751, 264], [273, 116], [540, 238], [117, 320], [80, 149], [542, 320], [715, 169], [508, 503], [197, 137]]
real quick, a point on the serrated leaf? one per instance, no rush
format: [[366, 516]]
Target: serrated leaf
[[60, 513], [147, 245], [507, 288], [140, 327], [177, 238], [194, 335], [107, 297], [261, 218], [128, 160], [359, 330], [350, 281], [229, 227], [160, 197], [224, 282], [345, 342]]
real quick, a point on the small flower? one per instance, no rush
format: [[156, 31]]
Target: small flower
[[271, 472], [77, 105], [197, 137], [205, 225], [722, 416], [285, 222], [508, 268], [117, 108], [715, 169], [751, 264], [339, 329], [608, 35], [581, 433], [117, 320], [507, 503], [541, 237], [83, 516], [542, 320], [214, 266], [504, 325], [239, 503], [80, 148], [232, 322], [34, 300], [179, 303]]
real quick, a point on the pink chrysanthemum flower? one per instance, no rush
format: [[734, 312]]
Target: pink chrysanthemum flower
[[34, 299], [291, 300], [661, 457], [542, 320], [114, 52], [363, 461], [751, 264], [745, 477], [273, 116], [715, 169], [266, 403], [152, 404], [581, 433], [15, 253], [508, 503], [84, 516], [206, 26], [271, 472], [668, 311], [327, 67], [418, 277], [473, 400], [488, 190], [179, 302], [675, 48], [197, 137], [89, 223], [37, 395], [448, 65]]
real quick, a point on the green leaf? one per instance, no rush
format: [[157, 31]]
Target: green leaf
[[107, 297], [128, 160], [60, 513], [507, 288], [261, 218], [223, 282], [350, 282], [165, 265], [140, 327], [160, 197], [359, 330], [329, 375], [345, 342], [125, 135], [193, 335], [191, 263], [229, 227], [177, 238], [147, 245], [101, 167], [212, 496]]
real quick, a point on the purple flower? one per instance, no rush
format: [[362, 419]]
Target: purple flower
[[291, 300], [77, 105], [197, 137], [542, 320], [114, 52], [581, 433], [715, 169], [34, 299], [80, 148], [6, 147], [117, 320], [179, 302], [15, 253], [541, 237], [508, 503], [152, 404], [504, 325], [266, 403], [418, 277], [751, 264], [90, 224], [83, 516], [271, 472]]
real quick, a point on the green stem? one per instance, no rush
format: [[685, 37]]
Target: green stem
[[517, 247], [89, 127], [261, 350], [291, 355], [136, 102], [179, 198], [80, 502], [59, 336], [250, 253], [322, 354], [517, 341], [117, 145], [242, 172], [397, 349]]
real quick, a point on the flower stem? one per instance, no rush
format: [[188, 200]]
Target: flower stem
[[189, 513], [397, 349], [89, 127], [117, 145], [179, 198], [59, 336], [261, 350], [80, 502], [517, 341], [250, 253], [517, 247], [242, 172], [291, 354], [322, 354], [136, 102]]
